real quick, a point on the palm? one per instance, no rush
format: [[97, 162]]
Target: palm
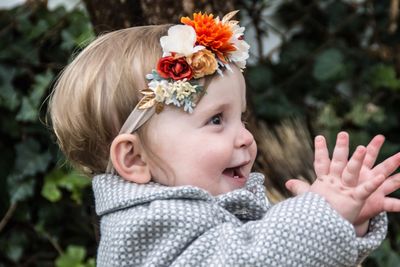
[[339, 179], [377, 200], [345, 199]]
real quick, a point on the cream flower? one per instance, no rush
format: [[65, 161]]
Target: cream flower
[[160, 89], [181, 39], [202, 63], [182, 89]]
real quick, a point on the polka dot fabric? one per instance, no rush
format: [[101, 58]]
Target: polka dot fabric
[[155, 225]]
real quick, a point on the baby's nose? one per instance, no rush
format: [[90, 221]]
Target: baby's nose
[[244, 138]]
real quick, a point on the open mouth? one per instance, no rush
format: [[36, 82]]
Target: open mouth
[[234, 172]]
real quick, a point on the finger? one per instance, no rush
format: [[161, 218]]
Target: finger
[[352, 171], [364, 190], [321, 157], [388, 166], [373, 149], [340, 154], [297, 187], [391, 204], [391, 184]]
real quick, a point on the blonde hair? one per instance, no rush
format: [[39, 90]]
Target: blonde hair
[[95, 94]]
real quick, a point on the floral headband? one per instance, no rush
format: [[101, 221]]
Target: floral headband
[[198, 48]]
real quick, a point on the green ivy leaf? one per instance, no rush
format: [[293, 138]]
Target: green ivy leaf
[[383, 76], [23, 22], [27, 112], [51, 192], [68, 40], [73, 257], [91, 263], [329, 65], [75, 183], [72, 182], [13, 245], [24, 50], [30, 105], [42, 82], [29, 159], [38, 29], [50, 189], [79, 33], [8, 96], [20, 188]]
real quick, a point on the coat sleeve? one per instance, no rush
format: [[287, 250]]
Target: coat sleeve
[[302, 231]]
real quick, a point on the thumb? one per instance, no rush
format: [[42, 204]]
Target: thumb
[[297, 187]]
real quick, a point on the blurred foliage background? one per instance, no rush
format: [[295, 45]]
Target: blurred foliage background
[[337, 67]]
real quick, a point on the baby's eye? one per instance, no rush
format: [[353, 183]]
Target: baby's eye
[[216, 119]]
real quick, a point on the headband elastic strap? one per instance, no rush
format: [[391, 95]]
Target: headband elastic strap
[[136, 119]]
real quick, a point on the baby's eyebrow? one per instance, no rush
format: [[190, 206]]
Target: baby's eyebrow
[[214, 108]]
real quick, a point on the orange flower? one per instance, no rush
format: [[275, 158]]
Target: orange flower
[[211, 34], [203, 63]]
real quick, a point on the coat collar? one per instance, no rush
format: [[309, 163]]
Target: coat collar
[[113, 193]]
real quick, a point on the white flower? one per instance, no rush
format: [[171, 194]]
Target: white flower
[[160, 89], [181, 39], [241, 54]]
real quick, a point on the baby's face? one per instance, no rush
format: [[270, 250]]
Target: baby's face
[[210, 148]]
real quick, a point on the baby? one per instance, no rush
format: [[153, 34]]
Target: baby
[[154, 113]]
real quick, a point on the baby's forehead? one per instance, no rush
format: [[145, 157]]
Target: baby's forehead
[[224, 92]]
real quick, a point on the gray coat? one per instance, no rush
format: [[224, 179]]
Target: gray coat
[[155, 225]]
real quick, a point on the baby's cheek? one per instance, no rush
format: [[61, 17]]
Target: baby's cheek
[[219, 152]]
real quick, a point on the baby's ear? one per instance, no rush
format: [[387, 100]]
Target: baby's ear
[[126, 154]]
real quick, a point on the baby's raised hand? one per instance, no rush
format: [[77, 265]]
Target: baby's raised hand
[[352, 187], [338, 179]]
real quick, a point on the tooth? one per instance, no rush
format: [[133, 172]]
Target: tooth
[[237, 173]]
